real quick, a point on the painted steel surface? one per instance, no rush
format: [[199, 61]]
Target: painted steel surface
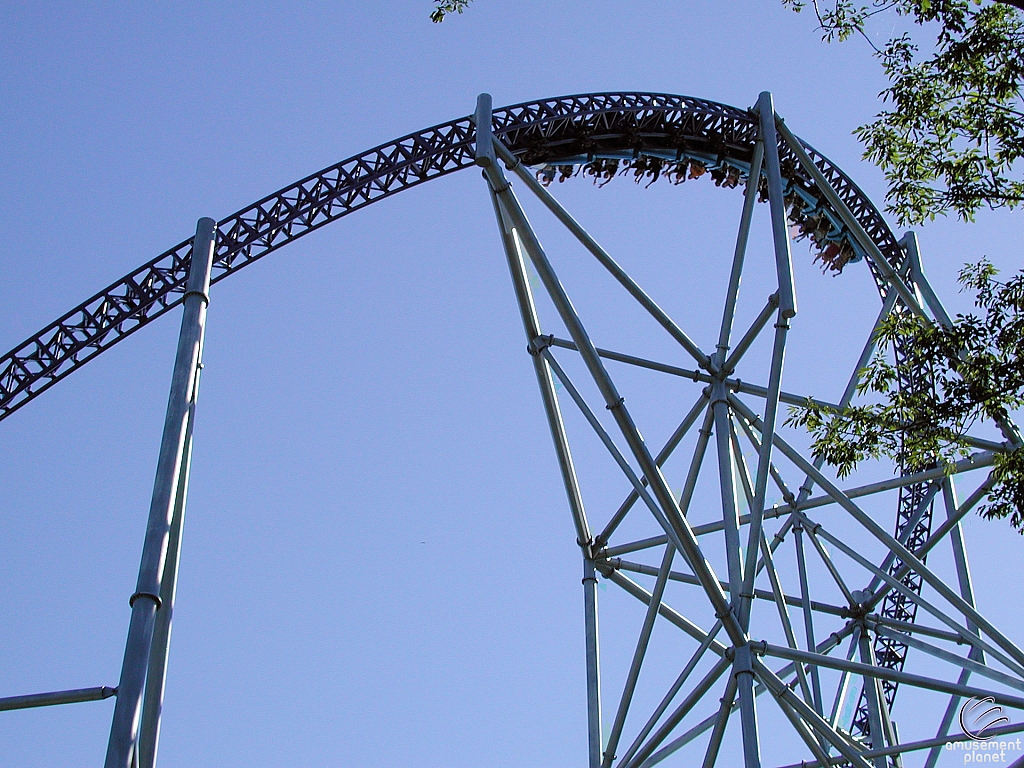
[[571, 128], [650, 131]]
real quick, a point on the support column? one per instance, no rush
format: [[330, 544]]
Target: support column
[[156, 675], [787, 311], [805, 597], [721, 722], [963, 572], [920, 282], [742, 669], [146, 601], [676, 526], [739, 254], [593, 665], [727, 484], [531, 324], [876, 701]]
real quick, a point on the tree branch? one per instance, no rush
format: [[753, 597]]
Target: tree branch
[[1014, 3]]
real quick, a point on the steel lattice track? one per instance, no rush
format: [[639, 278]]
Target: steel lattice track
[[627, 125], [895, 605], [538, 132]]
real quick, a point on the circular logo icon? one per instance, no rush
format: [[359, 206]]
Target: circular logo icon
[[979, 715]]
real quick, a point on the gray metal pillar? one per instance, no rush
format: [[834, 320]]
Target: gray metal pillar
[[146, 601], [743, 670], [741, 662], [531, 324], [593, 665], [739, 254], [721, 722], [727, 484], [780, 234], [787, 311], [805, 596], [909, 242], [876, 700], [56, 697], [963, 572], [638, 656], [156, 676]]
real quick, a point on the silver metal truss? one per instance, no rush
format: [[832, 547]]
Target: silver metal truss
[[879, 601], [828, 650], [664, 127]]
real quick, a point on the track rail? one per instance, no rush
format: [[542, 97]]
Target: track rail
[[591, 125], [569, 129]]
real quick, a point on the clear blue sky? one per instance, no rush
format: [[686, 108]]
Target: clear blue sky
[[378, 564]]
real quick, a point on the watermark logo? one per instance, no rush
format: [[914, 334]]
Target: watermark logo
[[979, 715], [978, 719]]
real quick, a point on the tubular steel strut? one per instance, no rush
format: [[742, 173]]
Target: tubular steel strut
[[651, 134]]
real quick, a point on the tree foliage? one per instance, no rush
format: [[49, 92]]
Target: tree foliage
[[443, 7], [976, 369], [953, 139]]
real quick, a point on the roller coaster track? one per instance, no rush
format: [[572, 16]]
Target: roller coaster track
[[573, 129], [592, 125]]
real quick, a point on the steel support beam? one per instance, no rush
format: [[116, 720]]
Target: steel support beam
[[910, 245], [531, 324], [602, 434], [679, 532], [727, 492], [802, 729], [674, 617], [638, 656], [965, 634], [156, 675], [886, 539], [963, 572], [748, 338], [688, 703], [739, 254], [730, 519], [876, 700], [787, 625], [967, 664], [712, 721], [787, 310], [738, 385], [725, 707], [593, 647], [780, 233], [805, 592], [603, 257], [685, 578], [54, 698], [914, 746], [843, 689], [822, 728], [671, 694], [688, 421], [882, 673], [146, 601], [975, 461]]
